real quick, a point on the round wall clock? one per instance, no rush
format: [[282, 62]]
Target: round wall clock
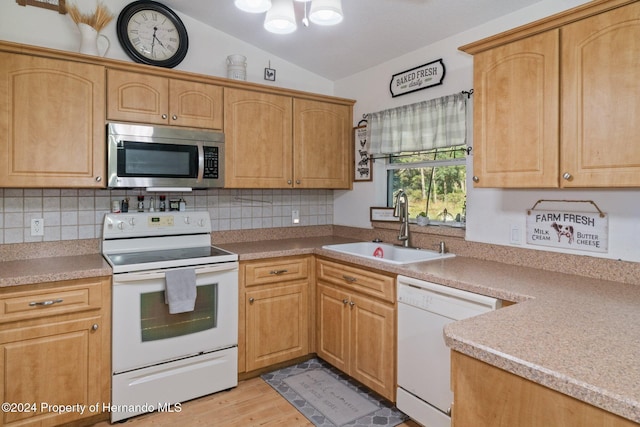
[[152, 33]]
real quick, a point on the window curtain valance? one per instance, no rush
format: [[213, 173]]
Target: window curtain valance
[[436, 123]]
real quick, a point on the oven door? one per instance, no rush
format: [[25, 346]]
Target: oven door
[[144, 333]]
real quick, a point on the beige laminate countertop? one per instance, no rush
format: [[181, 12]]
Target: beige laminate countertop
[[53, 269], [573, 334]]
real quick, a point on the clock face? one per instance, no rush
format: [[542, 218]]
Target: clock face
[[151, 33]]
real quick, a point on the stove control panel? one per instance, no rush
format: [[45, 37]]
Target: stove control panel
[[145, 224]]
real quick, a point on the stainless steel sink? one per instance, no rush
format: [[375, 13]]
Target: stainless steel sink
[[387, 253]]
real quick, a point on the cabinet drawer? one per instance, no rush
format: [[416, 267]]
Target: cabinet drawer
[[73, 296], [276, 270], [364, 281]]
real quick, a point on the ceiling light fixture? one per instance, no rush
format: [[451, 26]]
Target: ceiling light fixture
[[253, 6], [326, 12], [281, 19]]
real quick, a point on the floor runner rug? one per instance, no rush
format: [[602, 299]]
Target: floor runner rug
[[328, 398]]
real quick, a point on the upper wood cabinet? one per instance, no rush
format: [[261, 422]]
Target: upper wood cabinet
[[278, 141], [258, 139], [557, 108], [52, 129], [515, 126], [322, 150], [144, 98]]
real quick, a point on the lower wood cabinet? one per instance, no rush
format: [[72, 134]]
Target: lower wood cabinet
[[486, 396], [55, 350], [356, 331], [274, 311]]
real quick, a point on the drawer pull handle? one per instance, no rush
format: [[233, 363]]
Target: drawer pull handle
[[45, 303], [276, 272], [349, 278]]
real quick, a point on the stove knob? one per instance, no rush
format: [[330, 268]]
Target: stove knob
[[187, 220], [132, 221], [120, 225], [201, 222]]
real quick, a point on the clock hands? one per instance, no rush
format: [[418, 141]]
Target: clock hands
[[156, 38]]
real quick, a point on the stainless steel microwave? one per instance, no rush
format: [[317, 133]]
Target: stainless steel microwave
[[163, 156]]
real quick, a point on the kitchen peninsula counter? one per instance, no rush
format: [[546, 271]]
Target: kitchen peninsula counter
[[570, 333]]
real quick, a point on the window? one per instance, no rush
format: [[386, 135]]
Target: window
[[434, 181]]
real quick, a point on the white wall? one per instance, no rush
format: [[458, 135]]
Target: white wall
[[208, 47], [491, 212]]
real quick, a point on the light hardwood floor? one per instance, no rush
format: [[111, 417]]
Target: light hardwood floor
[[252, 403]]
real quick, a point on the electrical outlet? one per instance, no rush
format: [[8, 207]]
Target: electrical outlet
[[295, 216], [37, 227], [515, 236]]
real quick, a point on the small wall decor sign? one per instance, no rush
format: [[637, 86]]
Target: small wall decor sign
[[587, 231], [362, 170], [382, 214], [57, 5], [418, 78]]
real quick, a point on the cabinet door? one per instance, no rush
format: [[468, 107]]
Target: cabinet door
[[485, 396], [195, 104], [277, 325], [134, 97], [258, 135], [600, 104], [322, 145], [373, 345], [333, 319], [52, 131], [516, 123], [57, 364]]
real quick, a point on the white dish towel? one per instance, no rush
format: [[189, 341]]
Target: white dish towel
[[180, 292]]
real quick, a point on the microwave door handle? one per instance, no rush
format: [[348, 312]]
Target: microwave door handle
[[200, 161]]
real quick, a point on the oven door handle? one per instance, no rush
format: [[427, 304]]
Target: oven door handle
[[159, 274]]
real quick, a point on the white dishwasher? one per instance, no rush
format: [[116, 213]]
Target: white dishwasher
[[424, 365]]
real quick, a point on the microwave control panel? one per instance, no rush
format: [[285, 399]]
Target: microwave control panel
[[211, 162]]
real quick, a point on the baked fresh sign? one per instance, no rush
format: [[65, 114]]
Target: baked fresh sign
[[584, 231], [418, 78]]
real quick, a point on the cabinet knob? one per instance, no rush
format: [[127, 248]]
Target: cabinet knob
[[251, 300], [289, 181], [345, 301], [352, 304], [174, 117], [297, 181], [98, 178], [476, 179], [95, 327], [567, 176], [164, 116]]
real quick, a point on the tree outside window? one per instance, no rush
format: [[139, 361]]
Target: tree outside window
[[434, 181]]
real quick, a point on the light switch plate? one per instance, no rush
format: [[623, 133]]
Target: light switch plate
[[295, 216]]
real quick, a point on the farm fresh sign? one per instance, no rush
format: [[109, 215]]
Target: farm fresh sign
[[585, 231], [418, 78]]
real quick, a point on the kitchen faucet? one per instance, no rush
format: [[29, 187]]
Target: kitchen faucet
[[402, 211]]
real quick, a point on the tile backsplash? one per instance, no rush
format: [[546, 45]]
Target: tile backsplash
[[72, 214]]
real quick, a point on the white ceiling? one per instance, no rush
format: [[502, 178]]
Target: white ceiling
[[372, 32]]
